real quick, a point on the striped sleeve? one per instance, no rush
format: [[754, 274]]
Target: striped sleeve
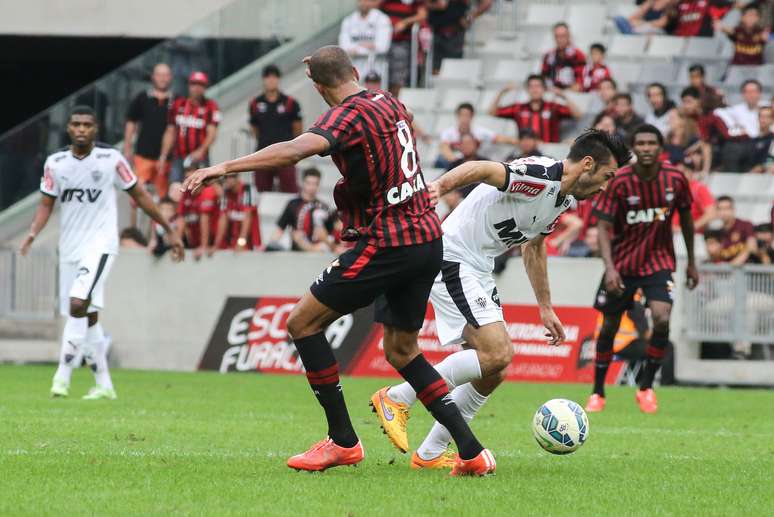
[[606, 205], [336, 125], [509, 111]]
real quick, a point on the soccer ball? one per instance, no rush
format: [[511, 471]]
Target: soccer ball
[[560, 426]]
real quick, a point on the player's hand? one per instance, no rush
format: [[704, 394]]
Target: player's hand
[[692, 277], [26, 245], [198, 253], [197, 155], [551, 321], [400, 26], [202, 177], [176, 243], [613, 282], [434, 190]]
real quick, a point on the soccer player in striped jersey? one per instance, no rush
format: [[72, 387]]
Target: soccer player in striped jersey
[[637, 208], [385, 206], [84, 177], [517, 205]]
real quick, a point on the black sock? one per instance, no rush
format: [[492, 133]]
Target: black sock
[[322, 371], [433, 392], [654, 355], [602, 362]]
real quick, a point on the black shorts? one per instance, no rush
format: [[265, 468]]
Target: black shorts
[[399, 279], [656, 287]]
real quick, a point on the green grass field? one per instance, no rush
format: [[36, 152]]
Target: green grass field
[[214, 444]]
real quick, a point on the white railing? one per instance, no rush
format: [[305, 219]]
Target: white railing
[[28, 285]]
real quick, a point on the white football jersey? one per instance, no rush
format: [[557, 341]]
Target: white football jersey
[[492, 220], [86, 190]]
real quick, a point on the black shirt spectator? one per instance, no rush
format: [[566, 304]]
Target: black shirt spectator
[[150, 112], [449, 20], [308, 218]]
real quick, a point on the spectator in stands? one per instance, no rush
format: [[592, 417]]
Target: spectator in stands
[[306, 216], [366, 35], [452, 136], [605, 122], [541, 116], [568, 227], [691, 108], [528, 146], [625, 118], [703, 207], [192, 126], [403, 15], [661, 107], [749, 36], [595, 70], [159, 239], [563, 66], [711, 98], [764, 239], [146, 119], [132, 237], [762, 154], [692, 17], [372, 81], [449, 20], [651, 17], [681, 138], [239, 228], [274, 117], [739, 125], [738, 240], [607, 91], [469, 148], [713, 243], [199, 215]]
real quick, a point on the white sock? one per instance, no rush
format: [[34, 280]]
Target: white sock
[[73, 337], [469, 401], [458, 368], [97, 359]]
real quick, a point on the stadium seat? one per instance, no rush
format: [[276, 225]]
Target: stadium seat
[[443, 121], [497, 49], [624, 73], [666, 47], [432, 173], [453, 97], [627, 47], [723, 183], [587, 18], [426, 121], [271, 204], [754, 186], [419, 99], [756, 213], [766, 75], [498, 125], [507, 72], [488, 97], [459, 73], [556, 151], [738, 74], [660, 71], [701, 48], [544, 15], [582, 100]]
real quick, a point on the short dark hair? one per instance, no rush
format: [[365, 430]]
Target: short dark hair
[[690, 91], [465, 106], [713, 235], [271, 69], [623, 95], [598, 46], [753, 6], [167, 199], [696, 67], [83, 110], [535, 77], [725, 198], [601, 146], [756, 82], [330, 66], [133, 233], [600, 116], [611, 81], [311, 171], [561, 24], [660, 87], [648, 129]]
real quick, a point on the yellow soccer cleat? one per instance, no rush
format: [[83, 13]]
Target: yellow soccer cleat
[[393, 417], [445, 461]]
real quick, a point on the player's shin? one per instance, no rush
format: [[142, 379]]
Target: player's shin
[[602, 360], [457, 369], [322, 372], [73, 337], [97, 345], [654, 355], [432, 391]]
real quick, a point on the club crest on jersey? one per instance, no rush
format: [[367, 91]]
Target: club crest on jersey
[[670, 194], [96, 175], [633, 200], [527, 188]]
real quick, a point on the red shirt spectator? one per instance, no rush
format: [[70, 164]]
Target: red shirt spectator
[[737, 243], [399, 11], [563, 65], [239, 227], [192, 209], [191, 119], [595, 70], [702, 207], [694, 17]]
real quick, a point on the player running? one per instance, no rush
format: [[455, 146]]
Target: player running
[[387, 209], [518, 204], [84, 177], [637, 209]]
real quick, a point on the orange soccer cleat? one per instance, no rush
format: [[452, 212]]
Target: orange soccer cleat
[[595, 404], [482, 465], [445, 460], [647, 400], [326, 454]]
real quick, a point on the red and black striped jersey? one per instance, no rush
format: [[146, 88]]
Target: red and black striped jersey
[[641, 213], [564, 67], [399, 10], [191, 120], [543, 121], [382, 193], [236, 206]]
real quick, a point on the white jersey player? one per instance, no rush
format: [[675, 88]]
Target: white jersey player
[[517, 204], [84, 178]]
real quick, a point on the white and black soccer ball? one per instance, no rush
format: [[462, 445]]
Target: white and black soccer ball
[[560, 426]]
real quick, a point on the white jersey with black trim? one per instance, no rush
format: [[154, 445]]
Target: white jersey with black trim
[[492, 220], [86, 189]]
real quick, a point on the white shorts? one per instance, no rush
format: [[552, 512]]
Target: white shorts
[[462, 295], [84, 280]]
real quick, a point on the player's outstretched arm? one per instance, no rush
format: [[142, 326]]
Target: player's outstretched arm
[[42, 214], [491, 173], [275, 156], [536, 265], [147, 205]]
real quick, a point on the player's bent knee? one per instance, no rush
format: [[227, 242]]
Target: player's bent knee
[[496, 354], [78, 308]]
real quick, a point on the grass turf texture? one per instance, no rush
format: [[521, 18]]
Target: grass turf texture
[[177, 443]]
